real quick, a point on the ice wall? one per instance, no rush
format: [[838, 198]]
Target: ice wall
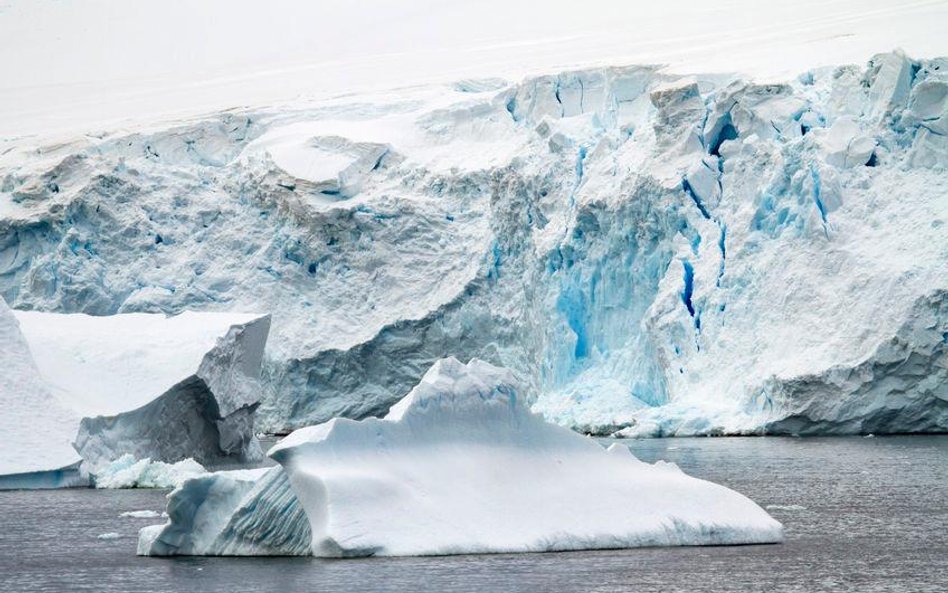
[[648, 252]]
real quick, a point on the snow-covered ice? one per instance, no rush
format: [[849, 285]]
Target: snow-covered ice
[[37, 430], [151, 386], [459, 465], [56, 76]]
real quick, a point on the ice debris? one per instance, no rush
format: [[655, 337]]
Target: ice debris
[[127, 472]]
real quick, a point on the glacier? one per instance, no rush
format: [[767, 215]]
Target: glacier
[[459, 465], [651, 253]]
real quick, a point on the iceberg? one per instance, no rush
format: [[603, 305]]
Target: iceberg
[[459, 465], [152, 387], [36, 453]]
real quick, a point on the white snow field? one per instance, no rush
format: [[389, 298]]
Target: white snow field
[[650, 252], [151, 386], [36, 453], [459, 465], [87, 65]]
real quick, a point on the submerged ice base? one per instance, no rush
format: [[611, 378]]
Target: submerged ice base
[[460, 465]]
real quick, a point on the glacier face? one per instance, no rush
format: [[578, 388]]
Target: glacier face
[[648, 252], [459, 465]]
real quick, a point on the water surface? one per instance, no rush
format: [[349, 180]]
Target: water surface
[[861, 514]]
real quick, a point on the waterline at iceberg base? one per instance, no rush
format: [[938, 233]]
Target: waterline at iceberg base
[[648, 252], [459, 465]]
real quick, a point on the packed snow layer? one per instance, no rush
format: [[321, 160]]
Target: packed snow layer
[[71, 65], [36, 454], [128, 472], [151, 386], [231, 513], [649, 252], [460, 465]]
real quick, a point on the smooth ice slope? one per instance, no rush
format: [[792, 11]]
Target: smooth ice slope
[[37, 430], [165, 388], [460, 465], [650, 252]]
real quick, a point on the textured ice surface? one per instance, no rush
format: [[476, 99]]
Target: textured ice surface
[[164, 388], [37, 430], [459, 465], [127, 472], [648, 252], [231, 513]]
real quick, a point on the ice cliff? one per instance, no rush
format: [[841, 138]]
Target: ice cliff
[[459, 465], [648, 252]]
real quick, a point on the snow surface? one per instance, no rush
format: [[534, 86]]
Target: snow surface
[[459, 465], [80, 65], [35, 453], [650, 252], [164, 388], [104, 366]]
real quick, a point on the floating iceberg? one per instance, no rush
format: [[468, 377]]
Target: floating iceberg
[[152, 387], [37, 430], [459, 465]]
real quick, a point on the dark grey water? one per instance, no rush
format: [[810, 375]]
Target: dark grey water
[[875, 519]]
